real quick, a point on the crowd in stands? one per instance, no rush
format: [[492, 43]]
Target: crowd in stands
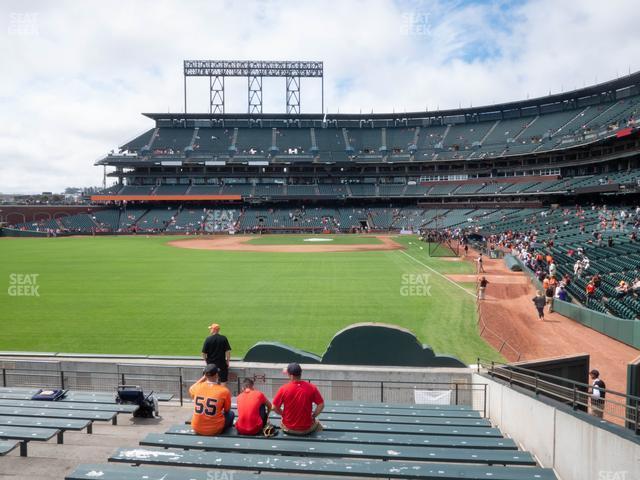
[[585, 240]]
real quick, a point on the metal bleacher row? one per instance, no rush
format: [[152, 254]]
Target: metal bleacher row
[[23, 420], [425, 448]]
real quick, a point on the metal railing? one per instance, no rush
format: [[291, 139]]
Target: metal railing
[[178, 381], [616, 407]]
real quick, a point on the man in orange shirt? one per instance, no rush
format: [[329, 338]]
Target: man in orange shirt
[[253, 410], [211, 404]]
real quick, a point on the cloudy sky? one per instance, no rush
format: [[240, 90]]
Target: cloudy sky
[[77, 74]]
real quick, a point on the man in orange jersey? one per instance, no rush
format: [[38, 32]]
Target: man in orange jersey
[[211, 404], [253, 410]]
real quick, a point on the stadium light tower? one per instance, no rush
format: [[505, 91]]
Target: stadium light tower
[[254, 72]]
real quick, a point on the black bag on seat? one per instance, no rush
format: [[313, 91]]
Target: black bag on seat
[[49, 394], [133, 395]]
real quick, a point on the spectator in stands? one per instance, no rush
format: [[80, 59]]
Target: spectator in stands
[[294, 402], [552, 269], [216, 350], [598, 393], [561, 292], [253, 410], [577, 268], [212, 412], [590, 290], [482, 286], [635, 286], [539, 301], [545, 283], [549, 293], [597, 280], [622, 289]]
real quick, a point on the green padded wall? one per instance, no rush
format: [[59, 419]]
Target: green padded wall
[[360, 344]]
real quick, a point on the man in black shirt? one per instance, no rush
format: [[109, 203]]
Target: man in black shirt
[[539, 301], [216, 349]]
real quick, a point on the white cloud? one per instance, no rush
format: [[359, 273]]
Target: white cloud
[[77, 75]]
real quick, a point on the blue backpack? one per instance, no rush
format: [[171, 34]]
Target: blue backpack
[[50, 395]]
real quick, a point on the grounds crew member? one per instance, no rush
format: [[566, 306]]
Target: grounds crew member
[[294, 402], [216, 350], [212, 412]]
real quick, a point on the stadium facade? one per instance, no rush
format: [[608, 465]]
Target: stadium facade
[[510, 151]]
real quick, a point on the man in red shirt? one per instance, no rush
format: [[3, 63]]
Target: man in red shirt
[[253, 410], [294, 403]]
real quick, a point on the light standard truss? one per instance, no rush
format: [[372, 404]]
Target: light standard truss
[[254, 71]]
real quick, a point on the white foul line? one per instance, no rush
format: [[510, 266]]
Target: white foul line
[[438, 273]]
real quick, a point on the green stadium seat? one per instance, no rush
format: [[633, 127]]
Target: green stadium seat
[[7, 446], [57, 423], [60, 405], [27, 434], [424, 411], [105, 397], [360, 418], [413, 427], [291, 464], [390, 451], [412, 436], [126, 472], [59, 413]]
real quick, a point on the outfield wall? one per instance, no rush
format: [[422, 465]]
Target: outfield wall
[[623, 330], [575, 444]]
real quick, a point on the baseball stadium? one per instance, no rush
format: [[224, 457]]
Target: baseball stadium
[[457, 285]]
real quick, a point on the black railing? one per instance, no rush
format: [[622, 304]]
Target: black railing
[[178, 381], [616, 407]]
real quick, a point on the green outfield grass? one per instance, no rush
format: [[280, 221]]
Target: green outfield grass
[[312, 239], [140, 295]]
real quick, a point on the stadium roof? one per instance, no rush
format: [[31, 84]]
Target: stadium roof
[[601, 89]]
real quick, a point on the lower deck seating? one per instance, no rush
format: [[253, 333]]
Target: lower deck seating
[[409, 451]]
